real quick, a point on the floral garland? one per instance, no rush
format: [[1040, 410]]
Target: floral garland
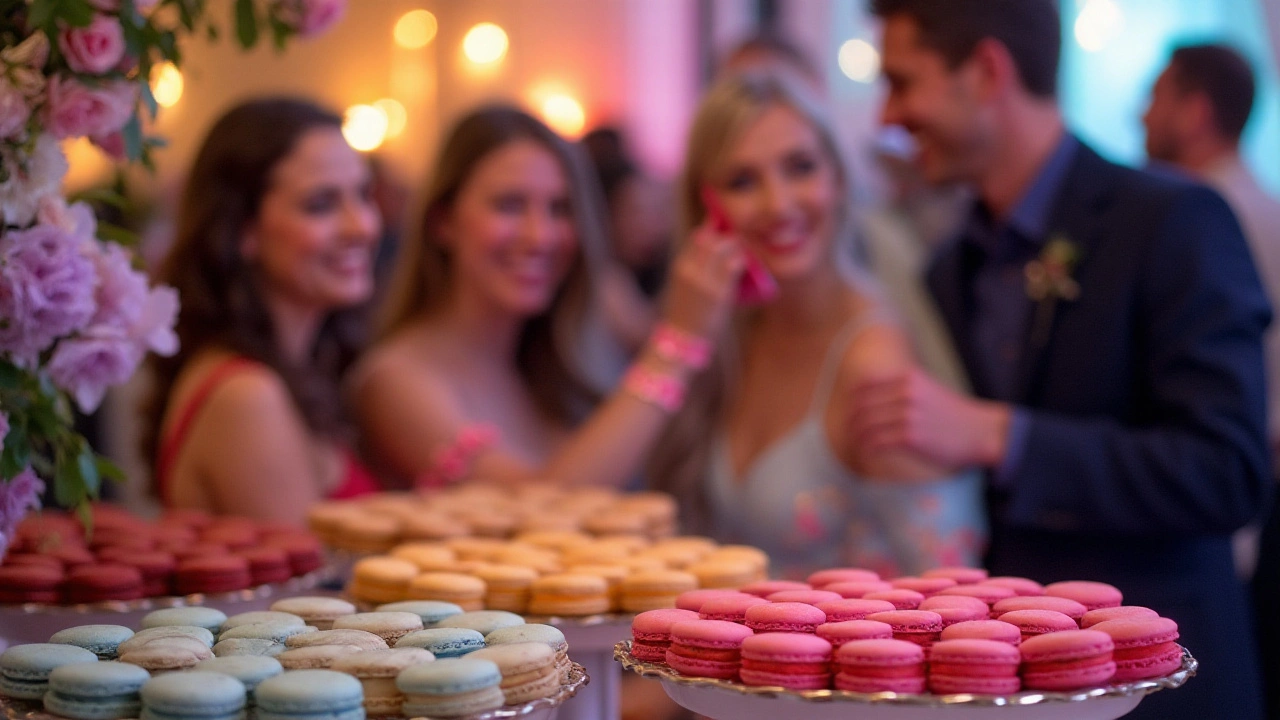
[[76, 316]]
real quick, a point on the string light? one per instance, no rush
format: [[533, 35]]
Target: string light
[[1098, 23], [397, 116], [415, 29], [859, 60], [564, 114], [485, 43], [166, 84], [364, 127]]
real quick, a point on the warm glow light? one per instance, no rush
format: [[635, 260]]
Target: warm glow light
[[364, 127], [859, 60], [166, 84], [415, 29], [485, 43], [397, 116], [564, 115], [1098, 23]]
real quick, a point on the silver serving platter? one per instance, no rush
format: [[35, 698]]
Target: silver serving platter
[[542, 708], [1066, 704]]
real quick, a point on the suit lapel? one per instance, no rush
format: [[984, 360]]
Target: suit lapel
[[1076, 218]]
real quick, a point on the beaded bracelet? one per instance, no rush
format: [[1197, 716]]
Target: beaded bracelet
[[655, 388], [677, 346]]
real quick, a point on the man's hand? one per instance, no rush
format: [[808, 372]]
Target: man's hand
[[912, 412]]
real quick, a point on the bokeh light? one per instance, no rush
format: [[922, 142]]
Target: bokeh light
[[364, 127], [1099, 22], [397, 116], [166, 84], [485, 43], [564, 114], [859, 60], [415, 29]]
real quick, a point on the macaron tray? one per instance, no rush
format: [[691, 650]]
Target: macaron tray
[[951, 643]]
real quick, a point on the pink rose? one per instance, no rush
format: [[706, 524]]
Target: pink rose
[[74, 110], [155, 326], [310, 17], [76, 218], [14, 110], [112, 145], [95, 49], [47, 290], [88, 365]]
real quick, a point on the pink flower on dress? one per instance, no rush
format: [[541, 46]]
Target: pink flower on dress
[[47, 290], [74, 110], [86, 366], [14, 110], [94, 49], [310, 17]]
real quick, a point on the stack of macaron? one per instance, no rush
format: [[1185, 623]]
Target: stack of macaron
[[951, 630], [281, 664], [53, 561], [563, 573]]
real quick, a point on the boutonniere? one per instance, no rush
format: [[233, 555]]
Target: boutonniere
[[1049, 276]]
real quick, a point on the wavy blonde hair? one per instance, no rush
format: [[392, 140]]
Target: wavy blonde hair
[[551, 345], [680, 463]]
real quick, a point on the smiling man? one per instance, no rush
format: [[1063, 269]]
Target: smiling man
[[1111, 321]]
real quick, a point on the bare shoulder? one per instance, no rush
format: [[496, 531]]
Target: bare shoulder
[[880, 349], [254, 392]]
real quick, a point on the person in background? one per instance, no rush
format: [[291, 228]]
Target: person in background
[[275, 240], [1111, 323], [770, 51], [639, 215], [1199, 108], [485, 335], [761, 453]]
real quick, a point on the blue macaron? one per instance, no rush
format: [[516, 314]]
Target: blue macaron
[[449, 677], [24, 669], [248, 669], [272, 630], [101, 640], [310, 695], [193, 695], [431, 611], [205, 617], [96, 691], [483, 621], [444, 642], [248, 646]]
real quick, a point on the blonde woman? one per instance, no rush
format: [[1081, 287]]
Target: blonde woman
[[761, 453], [480, 370]]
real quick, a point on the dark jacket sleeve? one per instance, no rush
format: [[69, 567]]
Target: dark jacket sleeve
[[1194, 459]]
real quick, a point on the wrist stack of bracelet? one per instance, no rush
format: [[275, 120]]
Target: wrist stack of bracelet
[[664, 389]]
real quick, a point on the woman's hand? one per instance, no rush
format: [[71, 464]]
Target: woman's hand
[[704, 283]]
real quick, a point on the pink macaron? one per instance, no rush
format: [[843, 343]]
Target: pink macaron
[[872, 666], [785, 618], [1067, 660], [1145, 647], [822, 578], [1093, 617], [962, 575], [857, 588], [984, 630], [853, 609], [974, 666], [808, 597], [1092, 595], [694, 599], [923, 585], [765, 588], [707, 648], [1025, 587], [839, 633], [939, 602], [651, 632], [989, 594], [902, 598], [732, 609], [1031, 623], [921, 627], [1070, 608], [788, 660]]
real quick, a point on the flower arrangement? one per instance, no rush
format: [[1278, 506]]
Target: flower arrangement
[[76, 316]]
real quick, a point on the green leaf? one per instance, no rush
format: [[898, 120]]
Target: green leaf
[[110, 470], [76, 13], [40, 12], [246, 24], [17, 452], [11, 376], [118, 235], [85, 513], [90, 481], [133, 138], [149, 100], [100, 196], [68, 490]]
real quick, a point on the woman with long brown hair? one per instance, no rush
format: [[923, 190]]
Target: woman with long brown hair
[[483, 364], [272, 261], [762, 451]]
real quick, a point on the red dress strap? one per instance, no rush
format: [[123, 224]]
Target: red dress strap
[[172, 444]]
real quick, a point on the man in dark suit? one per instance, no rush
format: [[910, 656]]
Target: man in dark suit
[[1111, 321]]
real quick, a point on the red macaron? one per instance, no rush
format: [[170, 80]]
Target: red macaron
[[100, 583], [212, 574], [30, 583]]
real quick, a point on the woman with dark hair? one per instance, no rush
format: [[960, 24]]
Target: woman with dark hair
[[272, 259], [481, 368]]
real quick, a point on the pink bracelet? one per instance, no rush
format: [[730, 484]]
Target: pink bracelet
[[655, 388], [677, 346], [453, 463]]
